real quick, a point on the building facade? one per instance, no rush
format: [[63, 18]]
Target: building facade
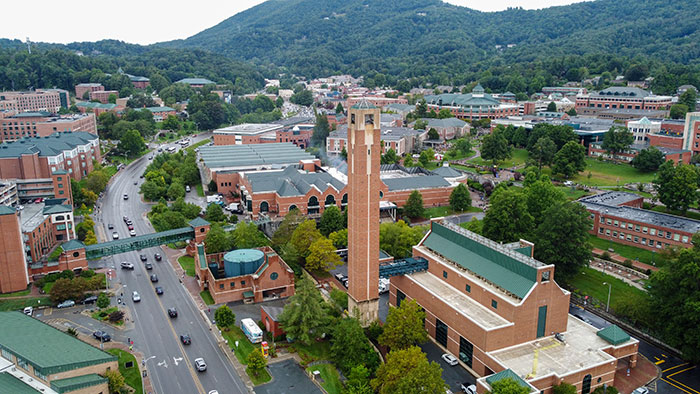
[[82, 88], [595, 149], [618, 97], [691, 132], [42, 124], [475, 105], [401, 139], [103, 95], [40, 100], [642, 128], [13, 264]]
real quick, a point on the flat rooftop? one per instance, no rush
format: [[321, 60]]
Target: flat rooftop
[[460, 302], [651, 218], [31, 216], [252, 156], [612, 199], [249, 129], [581, 348]]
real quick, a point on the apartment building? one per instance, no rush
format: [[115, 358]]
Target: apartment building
[[48, 100], [42, 124], [82, 88]]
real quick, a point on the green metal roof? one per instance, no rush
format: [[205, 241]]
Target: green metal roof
[[5, 210], [202, 257], [198, 222], [31, 114], [52, 145], [196, 81], [77, 383], [248, 294], [51, 209], [158, 109], [47, 349], [73, 244], [10, 384], [507, 374], [60, 172], [613, 334], [364, 104], [271, 155], [485, 258]]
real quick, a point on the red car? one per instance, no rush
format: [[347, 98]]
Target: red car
[[38, 200], [131, 227]]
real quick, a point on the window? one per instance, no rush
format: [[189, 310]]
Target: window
[[233, 285], [466, 351], [602, 220], [274, 276], [441, 332], [622, 235], [623, 224], [615, 234], [600, 230], [221, 286], [636, 228], [400, 296], [468, 288], [6, 354], [607, 232], [661, 233], [636, 240], [629, 237], [22, 363], [652, 231], [242, 283], [494, 304], [39, 375], [444, 274], [645, 229], [685, 239], [676, 237], [608, 221], [651, 242], [668, 235], [586, 385], [644, 241], [545, 276]]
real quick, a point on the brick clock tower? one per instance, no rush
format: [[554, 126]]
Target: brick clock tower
[[364, 155]]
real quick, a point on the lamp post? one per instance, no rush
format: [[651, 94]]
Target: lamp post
[[607, 307]]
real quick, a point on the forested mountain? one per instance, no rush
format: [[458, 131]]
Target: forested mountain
[[426, 37], [54, 65]]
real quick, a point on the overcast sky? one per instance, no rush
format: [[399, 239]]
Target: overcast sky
[[149, 21]]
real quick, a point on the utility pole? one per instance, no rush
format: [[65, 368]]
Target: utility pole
[[607, 307]]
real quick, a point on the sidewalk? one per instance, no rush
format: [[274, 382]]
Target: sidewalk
[[189, 282], [610, 271], [641, 375]]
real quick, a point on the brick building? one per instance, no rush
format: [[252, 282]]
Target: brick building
[[252, 275], [42, 124], [44, 226], [269, 315], [378, 101], [103, 95], [691, 132], [401, 139], [448, 128], [8, 192], [36, 159], [619, 217], [618, 97], [97, 108], [501, 312], [82, 88], [196, 82], [475, 105], [247, 133], [47, 100], [37, 358], [13, 265], [595, 149]]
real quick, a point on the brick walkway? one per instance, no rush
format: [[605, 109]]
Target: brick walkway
[[641, 375]]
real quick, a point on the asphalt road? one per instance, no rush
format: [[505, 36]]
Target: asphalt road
[[170, 364]]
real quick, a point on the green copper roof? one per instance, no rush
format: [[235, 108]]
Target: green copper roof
[[196, 81], [10, 384], [614, 335], [364, 104], [507, 374], [51, 209], [60, 172], [5, 210], [77, 383], [198, 222], [47, 349], [485, 258]]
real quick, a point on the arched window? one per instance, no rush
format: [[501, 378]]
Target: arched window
[[264, 206], [330, 200], [291, 207], [60, 217], [313, 205], [586, 385]]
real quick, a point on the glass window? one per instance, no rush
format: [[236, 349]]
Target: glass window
[[645, 229], [651, 242], [676, 237], [242, 283], [444, 274], [685, 239], [615, 234], [600, 230], [494, 304], [441, 332], [636, 228], [221, 286], [468, 288], [233, 284], [622, 235], [6, 354], [616, 223], [400, 296], [609, 221], [22, 363], [636, 240], [607, 232], [652, 231], [661, 233], [466, 351], [274, 276]]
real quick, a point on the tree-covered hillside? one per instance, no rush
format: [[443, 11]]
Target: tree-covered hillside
[[420, 37]]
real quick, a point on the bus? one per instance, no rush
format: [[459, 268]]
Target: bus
[[251, 330], [171, 149]]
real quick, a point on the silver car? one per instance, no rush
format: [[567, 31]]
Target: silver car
[[200, 364], [135, 297]]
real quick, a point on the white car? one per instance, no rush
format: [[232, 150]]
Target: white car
[[468, 388], [132, 233], [641, 390], [200, 364], [115, 235], [135, 296], [450, 359]]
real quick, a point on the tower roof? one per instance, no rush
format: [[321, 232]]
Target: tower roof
[[364, 104]]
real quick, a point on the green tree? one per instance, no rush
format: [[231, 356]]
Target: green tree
[[541, 194], [570, 160], [433, 134], [562, 239], [216, 240], [285, 230], [350, 347], [339, 109], [404, 326], [175, 191], [445, 113], [131, 143], [495, 147], [172, 123], [390, 157], [689, 99], [508, 386], [420, 124], [617, 139], [637, 72], [676, 186], [408, 371], [543, 152], [358, 381], [551, 107], [67, 289], [678, 111], [344, 154], [102, 301], [112, 98], [508, 218], [304, 97], [304, 316], [648, 160], [460, 200], [421, 110], [414, 205], [331, 220], [115, 381], [398, 238], [339, 238], [321, 131], [572, 112], [304, 235], [246, 235], [322, 256], [225, 318], [564, 388], [215, 213], [476, 226], [408, 160], [256, 362]]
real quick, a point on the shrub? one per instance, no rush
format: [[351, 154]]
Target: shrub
[[116, 316]]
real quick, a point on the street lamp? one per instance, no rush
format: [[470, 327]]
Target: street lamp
[[607, 307]]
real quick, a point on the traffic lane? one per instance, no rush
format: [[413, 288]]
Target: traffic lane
[[683, 377], [454, 376]]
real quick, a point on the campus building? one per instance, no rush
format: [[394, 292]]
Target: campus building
[[691, 132], [618, 97], [82, 88], [196, 82], [475, 105], [619, 217], [401, 139], [97, 108], [247, 133], [40, 100], [377, 101], [8, 192], [102, 95], [13, 264], [45, 225], [42, 124], [37, 358], [502, 313], [595, 149], [35, 159]]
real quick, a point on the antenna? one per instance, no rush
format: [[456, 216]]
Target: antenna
[[29, 46]]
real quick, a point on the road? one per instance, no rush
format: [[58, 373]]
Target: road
[[170, 364]]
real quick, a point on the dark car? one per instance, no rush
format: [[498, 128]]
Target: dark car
[[126, 196], [110, 226], [143, 257], [158, 257], [172, 312], [186, 340], [102, 336], [126, 219], [129, 222], [159, 290], [154, 278], [90, 300], [148, 266]]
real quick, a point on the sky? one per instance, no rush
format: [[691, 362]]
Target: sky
[[150, 21]]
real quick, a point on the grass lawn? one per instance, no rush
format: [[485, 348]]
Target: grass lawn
[[436, 212], [16, 304], [245, 347], [200, 190], [313, 352], [460, 155], [206, 297], [610, 174], [47, 287], [263, 377], [518, 157], [627, 251], [197, 145], [590, 282], [688, 214], [574, 194], [131, 375], [187, 264], [20, 293], [103, 315], [463, 168], [331, 379]]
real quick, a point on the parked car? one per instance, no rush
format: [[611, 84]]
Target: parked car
[[90, 300], [66, 304], [136, 183], [468, 388], [172, 312], [641, 390], [110, 226], [129, 222], [115, 235], [200, 364], [135, 297], [130, 227], [450, 359], [158, 257], [102, 336], [28, 310], [148, 266], [185, 339], [340, 277], [154, 278], [127, 265], [143, 257], [187, 188], [159, 290]]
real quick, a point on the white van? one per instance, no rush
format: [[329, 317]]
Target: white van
[[28, 310]]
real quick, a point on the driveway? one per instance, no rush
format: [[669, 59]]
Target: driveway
[[287, 378]]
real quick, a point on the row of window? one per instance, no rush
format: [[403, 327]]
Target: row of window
[[634, 239], [468, 289], [645, 230]]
